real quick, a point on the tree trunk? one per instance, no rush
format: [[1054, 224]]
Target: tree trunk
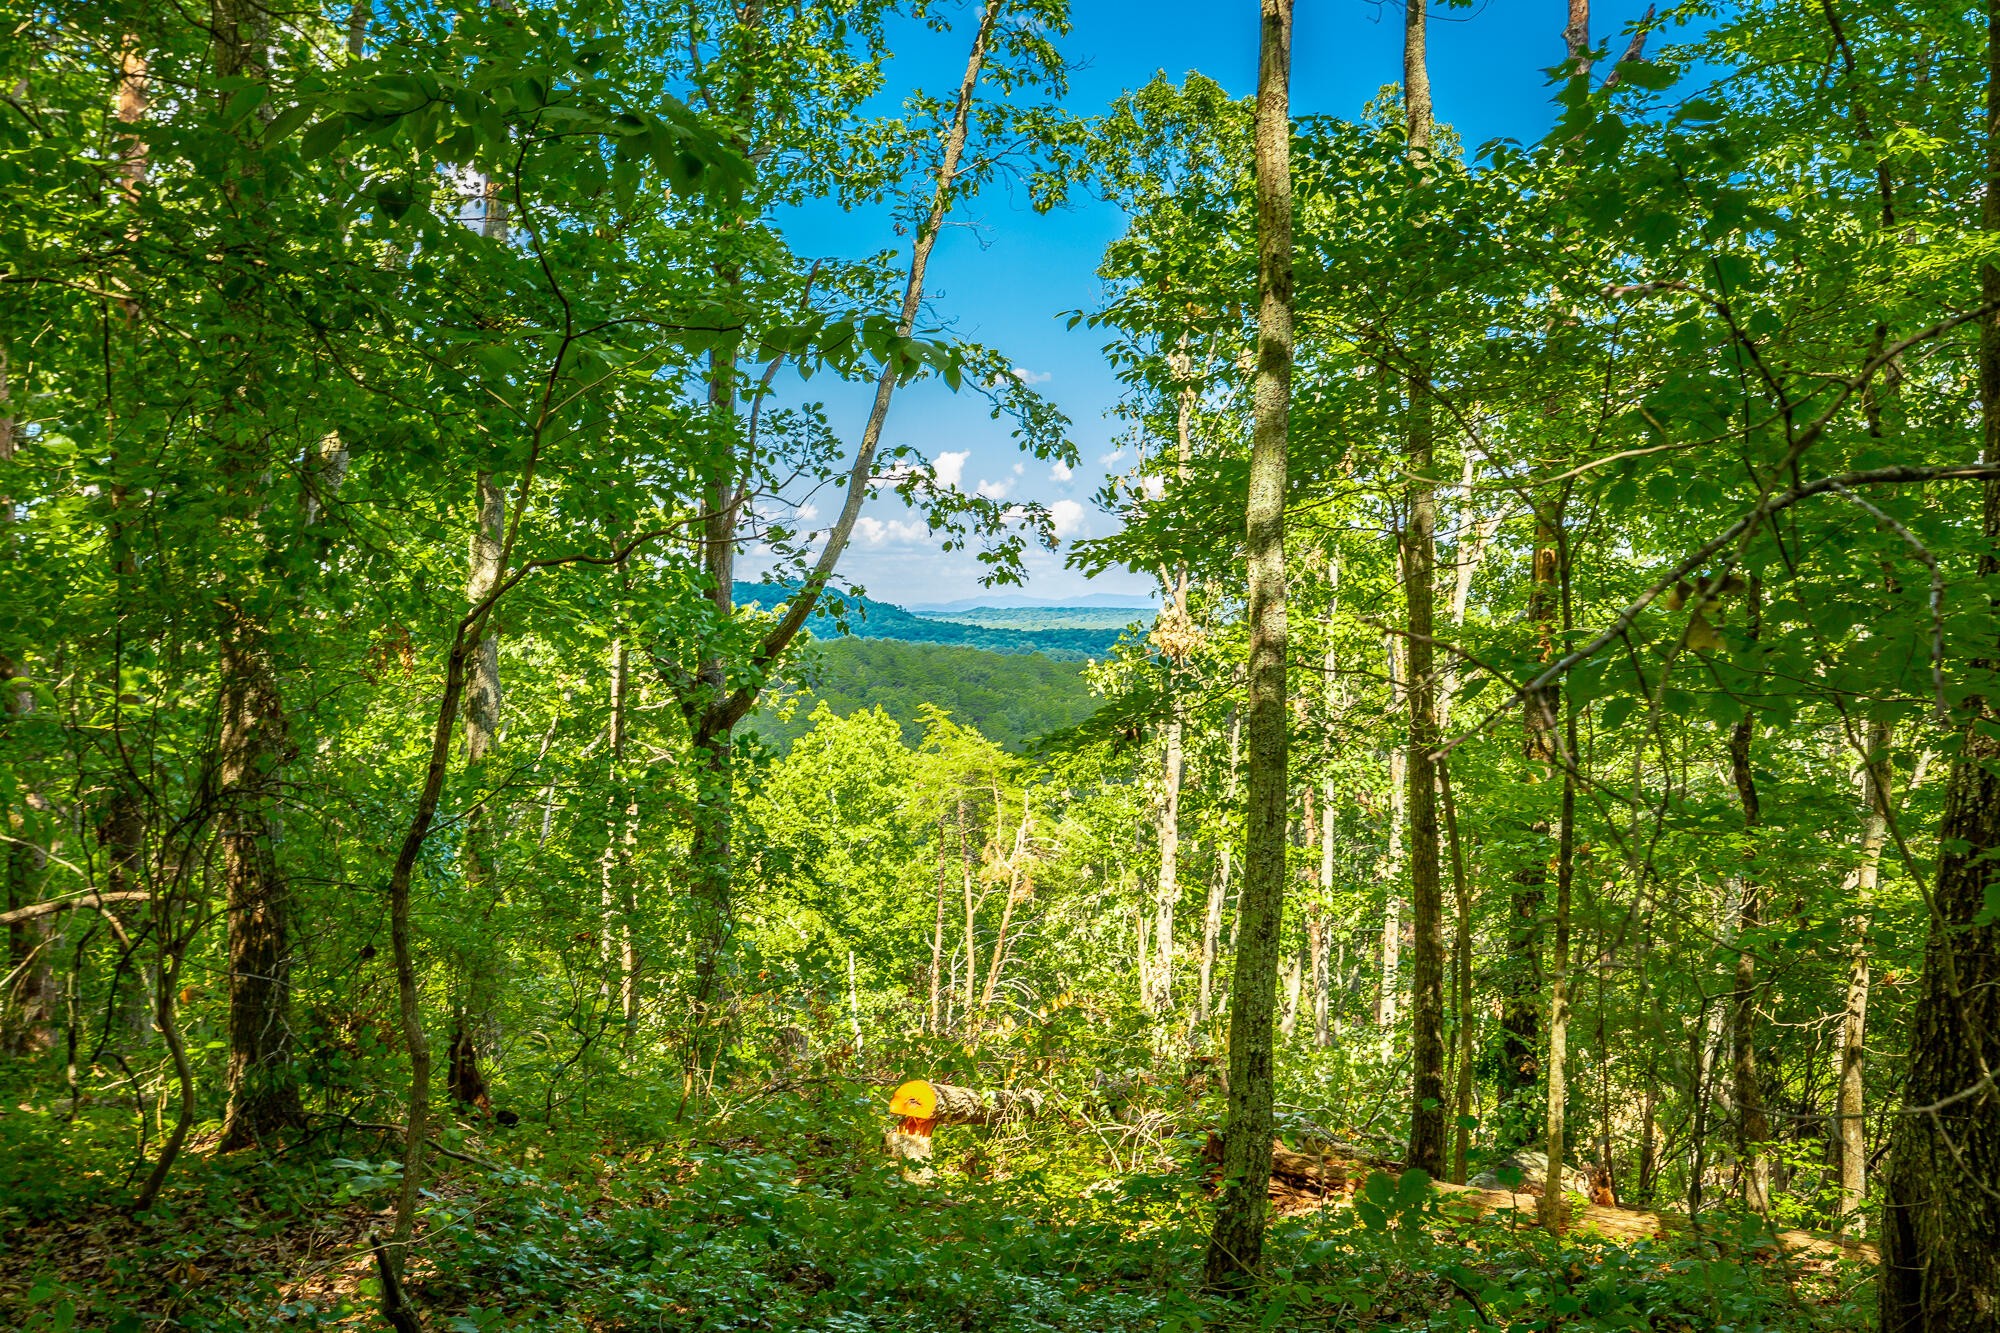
[[1520, 1013], [250, 745], [1019, 886], [621, 836], [1558, 1090], [263, 1093], [1167, 894], [122, 826], [1427, 1116], [1322, 981], [1235, 1248], [1648, 1150], [26, 1010], [1322, 994], [1462, 984], [1292, 976], [472, 1024], [1850, 1130], [1218, 888], [1753, 1130], [937, 939], [1387, 998], [1941, 1207], [971, 906]]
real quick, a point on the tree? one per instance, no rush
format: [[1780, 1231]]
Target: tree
[[1236, 1244], [1419, 558]]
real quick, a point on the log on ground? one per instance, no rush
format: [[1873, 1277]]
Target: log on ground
[[1303, 1181], [992, 1106]]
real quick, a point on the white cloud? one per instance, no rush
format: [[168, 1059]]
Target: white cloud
[[995, 490], [1020, 468], [1068, 517], [1060, 471], [807, 512], [1030, 376], [1112, 459], [1155, 487], [950, 468], [874, 532]]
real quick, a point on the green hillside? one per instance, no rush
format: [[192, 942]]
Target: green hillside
[[1011, 698], [870, 619], [1035, 619]]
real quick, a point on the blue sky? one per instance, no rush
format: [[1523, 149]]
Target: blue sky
[[1007, 280]]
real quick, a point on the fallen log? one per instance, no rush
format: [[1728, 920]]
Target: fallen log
[[924, 1106], [944, 1104], [1301, 1182]]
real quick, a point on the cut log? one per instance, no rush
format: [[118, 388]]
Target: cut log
[[912, 1150], [947, 1104], [1301, 1182]]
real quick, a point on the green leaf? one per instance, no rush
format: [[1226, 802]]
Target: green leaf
[[324, 136], [1615, 711], [286, 121], [1645, 74], [394, 200]]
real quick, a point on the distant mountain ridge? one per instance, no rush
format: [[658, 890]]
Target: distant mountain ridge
[[869, 619], [1035, 619], [1014, 600]]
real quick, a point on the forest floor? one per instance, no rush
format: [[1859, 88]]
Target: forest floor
[[791, 1220]]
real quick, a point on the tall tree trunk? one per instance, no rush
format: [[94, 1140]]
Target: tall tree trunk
[[263, 1092], [1167, 894], [1389, 996], [1461, 959], [621, 836], [1850, 1136], [1520, 1012], [1172, 761], [1427, 1120], [121, 829], [1236, 1245], [1471, 549], [251, 739], [1941, 1207], [25, 1010], [937, 939], [971, 905], [1218, 889], [1753, 1129], [472, 1024], [1291, 978], [1322, 981], [1558, 1090]]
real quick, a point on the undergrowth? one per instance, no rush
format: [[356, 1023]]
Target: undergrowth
[[785, 1217]]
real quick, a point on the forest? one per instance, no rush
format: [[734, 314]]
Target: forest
[[1013, 699], [1535, 871]]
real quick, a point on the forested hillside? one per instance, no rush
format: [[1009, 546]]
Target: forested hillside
[[1064, 639], [1011, 699], [1536, 871]]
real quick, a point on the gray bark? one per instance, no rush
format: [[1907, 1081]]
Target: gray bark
[[1235, 1248]]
